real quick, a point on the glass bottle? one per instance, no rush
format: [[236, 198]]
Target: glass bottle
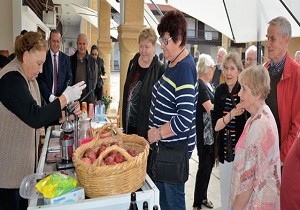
[[84, 110], [97, 112], [133, 205], [145, 205], [155, 207], [102, 112]]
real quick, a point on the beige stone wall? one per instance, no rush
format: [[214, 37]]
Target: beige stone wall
[[294, 46]]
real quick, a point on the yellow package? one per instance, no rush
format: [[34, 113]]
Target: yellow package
[[55, 185]]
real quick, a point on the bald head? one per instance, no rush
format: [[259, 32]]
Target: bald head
[[82, 45]]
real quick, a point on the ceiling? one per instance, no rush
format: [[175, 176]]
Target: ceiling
[[68, 15]]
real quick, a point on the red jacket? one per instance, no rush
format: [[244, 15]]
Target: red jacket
[[288, 101]]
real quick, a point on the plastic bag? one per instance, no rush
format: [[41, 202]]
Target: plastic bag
[[55, 185]]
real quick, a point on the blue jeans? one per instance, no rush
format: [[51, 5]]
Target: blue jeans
[[171, 196]]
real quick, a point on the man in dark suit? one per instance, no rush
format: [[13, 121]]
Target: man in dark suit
[[83, 68], [57, 73]]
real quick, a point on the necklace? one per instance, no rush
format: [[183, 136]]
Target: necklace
[[177, 55]]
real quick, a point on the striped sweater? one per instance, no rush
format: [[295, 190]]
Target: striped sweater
[[174, 99]]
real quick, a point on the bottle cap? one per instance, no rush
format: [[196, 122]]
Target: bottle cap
[[83, 106], [145, 204], [133, 197]]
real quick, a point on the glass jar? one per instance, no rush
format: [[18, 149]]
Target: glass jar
[[85, 129]]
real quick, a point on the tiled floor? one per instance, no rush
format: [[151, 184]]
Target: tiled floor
[[213, 193], [214, 184]]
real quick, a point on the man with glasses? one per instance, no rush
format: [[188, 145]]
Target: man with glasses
[[284, 97], [57, 73], [250, 56]]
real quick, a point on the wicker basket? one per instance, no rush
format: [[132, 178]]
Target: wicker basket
[[113, 179], [106, 128]]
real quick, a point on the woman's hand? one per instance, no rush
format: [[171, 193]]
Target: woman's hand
[[154, 135], [237, 111]]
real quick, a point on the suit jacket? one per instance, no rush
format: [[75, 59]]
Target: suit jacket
[[45, 79]]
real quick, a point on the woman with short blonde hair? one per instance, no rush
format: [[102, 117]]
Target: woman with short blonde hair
[[255, 182]]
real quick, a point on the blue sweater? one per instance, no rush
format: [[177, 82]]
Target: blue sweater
[[174, 99]]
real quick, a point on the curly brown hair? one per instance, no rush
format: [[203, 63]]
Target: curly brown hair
[[30, 41], [175, 24]]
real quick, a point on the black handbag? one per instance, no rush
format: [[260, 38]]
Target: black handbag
[[169, 162]]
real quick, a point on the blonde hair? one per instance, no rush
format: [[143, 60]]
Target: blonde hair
[[257, 79], [148, 34]]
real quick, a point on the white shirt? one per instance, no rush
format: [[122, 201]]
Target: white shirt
[[52, 96]]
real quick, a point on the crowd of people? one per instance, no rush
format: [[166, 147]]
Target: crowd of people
[[243, 115], [246, 120]]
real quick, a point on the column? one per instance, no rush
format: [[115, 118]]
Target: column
[[104, 41], [128, 39], [94, 30]]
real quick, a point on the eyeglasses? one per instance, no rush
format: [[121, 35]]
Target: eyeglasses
[[94, 54], [164, 41]]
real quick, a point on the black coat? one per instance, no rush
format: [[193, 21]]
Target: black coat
[[99, 85], [90, 75], [3, 61], [153, 74]]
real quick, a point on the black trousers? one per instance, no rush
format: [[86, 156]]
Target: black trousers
[[99, 93], [205, 165], [10, 199]]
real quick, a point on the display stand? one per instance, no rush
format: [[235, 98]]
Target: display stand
[[148, 192]]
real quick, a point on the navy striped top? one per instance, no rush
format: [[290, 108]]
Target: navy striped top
[[174, 100]]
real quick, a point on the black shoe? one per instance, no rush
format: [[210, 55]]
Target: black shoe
[[208, 204]]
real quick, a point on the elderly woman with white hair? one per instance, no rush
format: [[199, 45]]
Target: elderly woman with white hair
[[204, 129], [250, 56]]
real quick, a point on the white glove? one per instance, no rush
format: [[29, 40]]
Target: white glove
[[72, 93]]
